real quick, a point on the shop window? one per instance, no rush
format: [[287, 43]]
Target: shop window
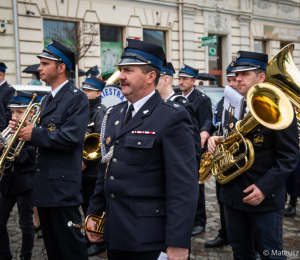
[[111, 49], [59, 30], [259, 46], [156, 37]]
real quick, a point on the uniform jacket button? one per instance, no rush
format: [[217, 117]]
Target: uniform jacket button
[[38, 170], [63, 177], [117, 141], [139, 143], [112, 178], [114, 160], [112, 196], [157, 211]]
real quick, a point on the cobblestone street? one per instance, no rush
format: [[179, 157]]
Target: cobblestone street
[[291, 234]]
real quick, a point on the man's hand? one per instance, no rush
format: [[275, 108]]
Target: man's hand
[[13, 124], [204, 135], [25, 133], [255, 197], [92, 237], [212, 143], [177, 253]]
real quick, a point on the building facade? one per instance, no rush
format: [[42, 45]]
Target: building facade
[[179, 26]]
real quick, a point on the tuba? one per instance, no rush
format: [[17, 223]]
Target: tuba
[[114, 78], [91, 147], [99, 224], [7, 139], [269, 105]]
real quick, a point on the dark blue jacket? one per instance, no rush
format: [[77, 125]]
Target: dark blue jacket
[[59, 140], [150, 188], [276, 156], [6, 93], [19, 175]]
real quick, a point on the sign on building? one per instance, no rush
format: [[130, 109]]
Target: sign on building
[[210, 40], [281, 33], [212, 51]]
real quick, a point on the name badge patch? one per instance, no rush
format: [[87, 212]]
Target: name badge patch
[[51, 127], [258, 140]]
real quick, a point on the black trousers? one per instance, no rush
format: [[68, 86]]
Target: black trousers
[[62, 242], [267, 227], [113, 254], [200, 219], [223, 230], [7, 202]]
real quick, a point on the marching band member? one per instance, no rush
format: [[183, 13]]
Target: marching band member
[[59, 140], [150, 193], [92, 87], [254, 201], [16, 187], [95, 72], [222, 239], [187, 78], [6, 93]]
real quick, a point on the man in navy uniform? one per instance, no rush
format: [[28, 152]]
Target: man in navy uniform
[[165, 89], [222, 239], [6, 93], [254, 201], [16, 187], [150, 182], [187, 78], [92, 87], [59, 140]]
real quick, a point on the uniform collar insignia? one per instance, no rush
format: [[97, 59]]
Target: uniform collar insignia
[[146, 111]]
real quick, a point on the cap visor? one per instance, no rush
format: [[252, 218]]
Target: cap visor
[[128, 61], [243, 68], [185, 75], [231, 74], [16, 105], [87, 86], [47, 56]]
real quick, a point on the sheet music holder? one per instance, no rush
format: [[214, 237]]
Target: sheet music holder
[[233, 102]]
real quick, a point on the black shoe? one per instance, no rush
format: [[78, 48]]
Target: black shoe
[[290, 211], [40, 235], [197, 230], [37, 229], [219, 241], [96, 249]]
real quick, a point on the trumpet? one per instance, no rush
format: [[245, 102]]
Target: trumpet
[[7, 139], [99, 224]]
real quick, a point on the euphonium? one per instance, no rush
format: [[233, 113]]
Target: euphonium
[[99, 224], [91, 148], [267, 106], [7, 138]]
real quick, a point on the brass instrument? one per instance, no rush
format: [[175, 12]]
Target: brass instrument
[[91, 148], [269, 107], [284, 74], [7, 139], [99, 224], [114, 78]]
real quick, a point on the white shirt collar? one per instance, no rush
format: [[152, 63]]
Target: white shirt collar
[[2, 82], [137, 105], [54, 92], [170, 95], [188, 94]]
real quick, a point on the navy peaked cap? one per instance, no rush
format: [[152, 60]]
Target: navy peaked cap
[[187, 71], [229, 70], [141, 53], [246, 60], [22, 99], [168, 69], [2, 66], [57, 51], [93, 83], [93, 71]]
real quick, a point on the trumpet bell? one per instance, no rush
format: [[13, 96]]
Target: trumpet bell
[[92, 149]]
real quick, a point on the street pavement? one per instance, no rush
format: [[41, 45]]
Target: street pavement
[[291, 235]]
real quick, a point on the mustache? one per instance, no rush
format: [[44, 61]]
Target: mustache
[[124, 82]]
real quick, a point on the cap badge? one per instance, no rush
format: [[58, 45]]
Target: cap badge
[[232, 63], [146, 111], [16, 94], [238, 55], [183, 66], [117, 122], [108, 139], [51, 127], [126, 44], [89, 76]]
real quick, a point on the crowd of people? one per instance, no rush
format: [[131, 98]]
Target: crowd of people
[[147, 178]]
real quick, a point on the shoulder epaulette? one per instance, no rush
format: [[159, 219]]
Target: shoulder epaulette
[[172, 104]]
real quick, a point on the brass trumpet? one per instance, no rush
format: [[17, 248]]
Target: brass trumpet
[[99, 224], [7, 139]]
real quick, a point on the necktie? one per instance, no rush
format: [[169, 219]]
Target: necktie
[[128, 115], [49, 99]]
